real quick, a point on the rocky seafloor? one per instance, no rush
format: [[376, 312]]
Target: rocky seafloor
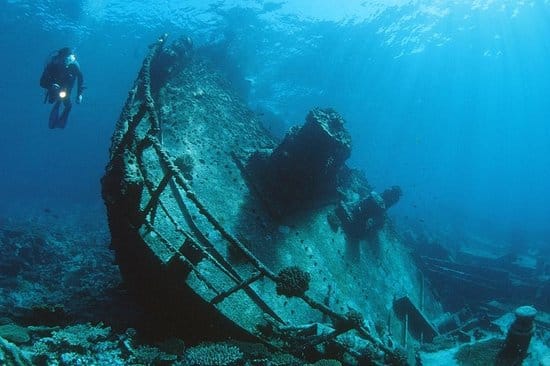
[[62, 302]]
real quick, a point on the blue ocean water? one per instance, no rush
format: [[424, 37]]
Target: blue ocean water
[[449, 100]]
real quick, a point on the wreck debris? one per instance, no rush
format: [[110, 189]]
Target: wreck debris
[[303, 170], [192, 237], [418, 324], [307, 169], [366, 216], [519, 336], [476, 276], [362, 217], [391, 196]]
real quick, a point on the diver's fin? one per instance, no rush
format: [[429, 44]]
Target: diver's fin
[[64, 116], [54, 116]]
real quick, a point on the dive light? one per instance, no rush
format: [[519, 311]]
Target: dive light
[[62, 94]]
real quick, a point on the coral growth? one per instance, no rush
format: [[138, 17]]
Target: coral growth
[[326, 363], [371, 356], [14, 333], [479, 354], [216, 354], [292, 281], [185, 164], [398, 357], [10, 355]]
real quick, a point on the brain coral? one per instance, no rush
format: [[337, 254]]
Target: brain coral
[[292, 281]]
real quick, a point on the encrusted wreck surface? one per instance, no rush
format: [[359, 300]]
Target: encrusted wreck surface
[[196, 241], [303, 171]]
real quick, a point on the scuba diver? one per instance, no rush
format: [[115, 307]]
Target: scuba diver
[[58, 79]]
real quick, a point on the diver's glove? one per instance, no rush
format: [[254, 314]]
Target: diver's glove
[[79, 99]]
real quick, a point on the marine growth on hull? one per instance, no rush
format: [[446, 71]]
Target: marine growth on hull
[[223, 231], [214, 222]]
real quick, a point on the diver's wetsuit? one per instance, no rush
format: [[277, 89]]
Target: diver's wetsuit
[[64, 75]]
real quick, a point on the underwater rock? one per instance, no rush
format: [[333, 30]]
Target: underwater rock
[[22, 252], [48, 315], [303, 170]]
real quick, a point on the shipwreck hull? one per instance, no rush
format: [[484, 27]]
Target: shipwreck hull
[[196, 243]]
